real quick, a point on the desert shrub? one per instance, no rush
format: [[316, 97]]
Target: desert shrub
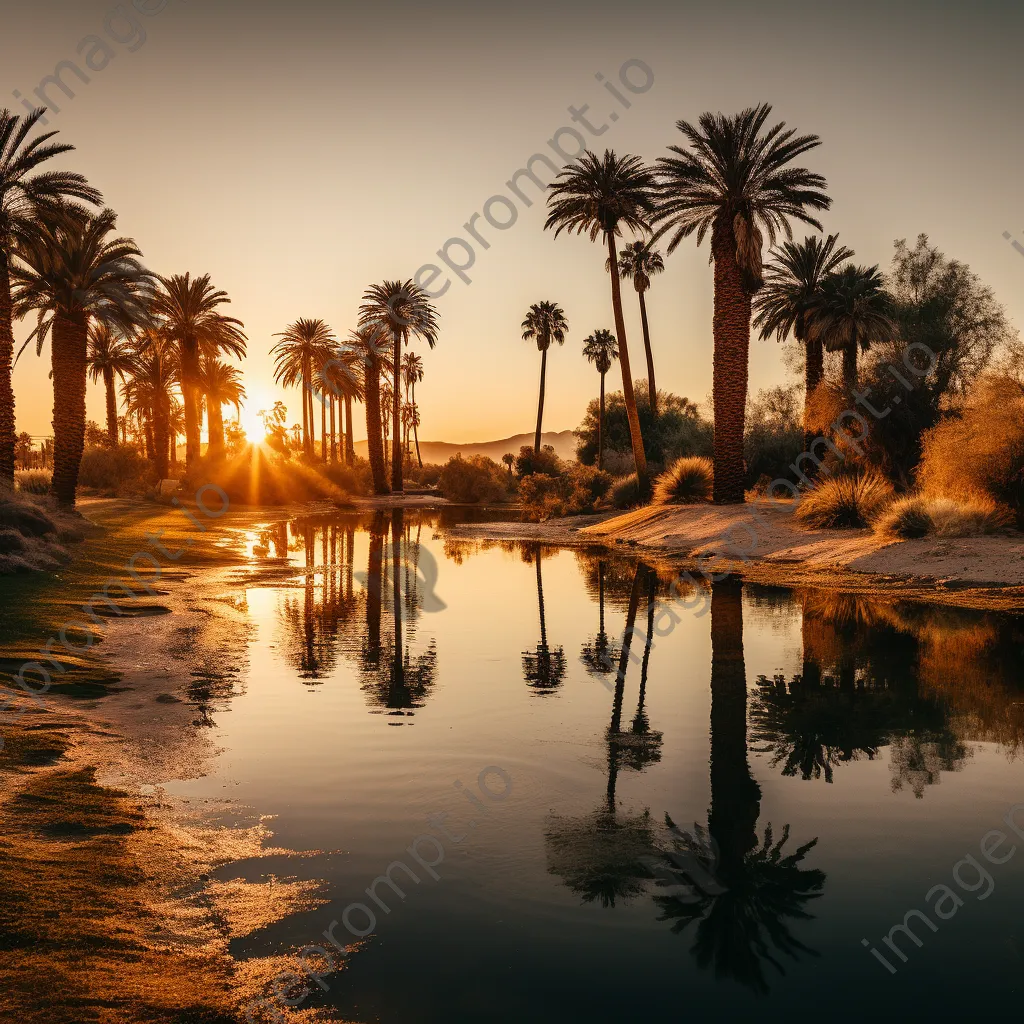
[[256, 477], [120, 470], [33, 481], [473, 480], [355, 479], [545, 461], [625, 492], [982, 449], [679, 429], [426, 475], [967, 515], [577, 491], [774, 434], [849, 501], [686, 481]]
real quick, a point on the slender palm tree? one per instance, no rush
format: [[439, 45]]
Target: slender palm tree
[[601, 349], [412, 374], [373, 346], [305, 346], [109, 357], [850, 312], [733, 183], [544, 323], [147, 394], [792, 280], [405, 311], [72, 272], [221, 385], [344, 379], [25, 193], [639, 262], [189, 309], [603, 196]]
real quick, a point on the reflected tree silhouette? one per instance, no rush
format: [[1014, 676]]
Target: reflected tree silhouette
[[599, 653], [544, 667]]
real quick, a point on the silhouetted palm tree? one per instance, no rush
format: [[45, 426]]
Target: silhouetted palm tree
[[304, 347], [603, 196], [600, 349], [109, 357], [792, 281], [222, 385], [405, 311], [733, 183], [850, 312], [71, 272], [189, 310], [544, 323], [599, 654], [26, 191], [639, 262], [412, 374], [543, 667], [147, 393], [373, 346]]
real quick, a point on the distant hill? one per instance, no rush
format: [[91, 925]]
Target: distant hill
[[564, 443]]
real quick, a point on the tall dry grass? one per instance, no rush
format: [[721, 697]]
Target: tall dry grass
[[848, 501]]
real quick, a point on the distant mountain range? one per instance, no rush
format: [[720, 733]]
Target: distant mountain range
[[563, 441]]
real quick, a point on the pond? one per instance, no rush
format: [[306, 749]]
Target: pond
[[517, 819]]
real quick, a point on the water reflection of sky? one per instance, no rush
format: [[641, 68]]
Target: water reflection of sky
[[887, 733]]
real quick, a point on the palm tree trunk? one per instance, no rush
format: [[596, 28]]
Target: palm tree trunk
[[350, 444], [190, 400], [396, 559], [7, 435], [415, 428], [396, 415], [540, 401], [312, 424], [108, 386], [215, 420], [323, 430], [374, 440], [374, 589], [162, 440], [600, 428], [305, 413], [850, 365], [68, 345], [334, 433], [652, 388], [615, 728], [732, 342], [639, 457], [814, 370]]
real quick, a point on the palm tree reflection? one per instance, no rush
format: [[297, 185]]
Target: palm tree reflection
[[544, 667]]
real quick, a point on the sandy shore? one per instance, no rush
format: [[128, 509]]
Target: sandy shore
[[763, 543]]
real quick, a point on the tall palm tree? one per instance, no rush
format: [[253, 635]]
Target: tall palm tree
[[71, 273], [372, 344], [600, 349], [792, 280], [191, 318], [734, 183], [639, 262], [305, 345], [603, 196], [344, 379], [851, 311], [221, 384], [25, 193], [109, 357], [544, 323], [147, 393], [405, 311], [412, 374]]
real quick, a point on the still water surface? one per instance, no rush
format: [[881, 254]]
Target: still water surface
[[779, 776]]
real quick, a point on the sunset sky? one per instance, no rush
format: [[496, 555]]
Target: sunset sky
[[300, 151]]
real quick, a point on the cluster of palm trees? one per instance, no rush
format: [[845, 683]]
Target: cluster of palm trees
[[368, 366], [735, 183], [103, 312]]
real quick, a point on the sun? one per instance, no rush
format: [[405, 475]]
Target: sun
[[252, 424]]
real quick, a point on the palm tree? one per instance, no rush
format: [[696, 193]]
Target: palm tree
[[304, 345], [600, 349], [147, 394], [850, 311], [639, 262], [109, 357], [734, 183], [190, 315], [412, 374], [510, 460], [25, 193], [372, 345], [544, 667], [602, 197], [792, 281], [405, 311], [344, 379], [544, 322], [222, 385], [72, 273]]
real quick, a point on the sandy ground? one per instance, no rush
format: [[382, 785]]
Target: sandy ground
[[763, 543]]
